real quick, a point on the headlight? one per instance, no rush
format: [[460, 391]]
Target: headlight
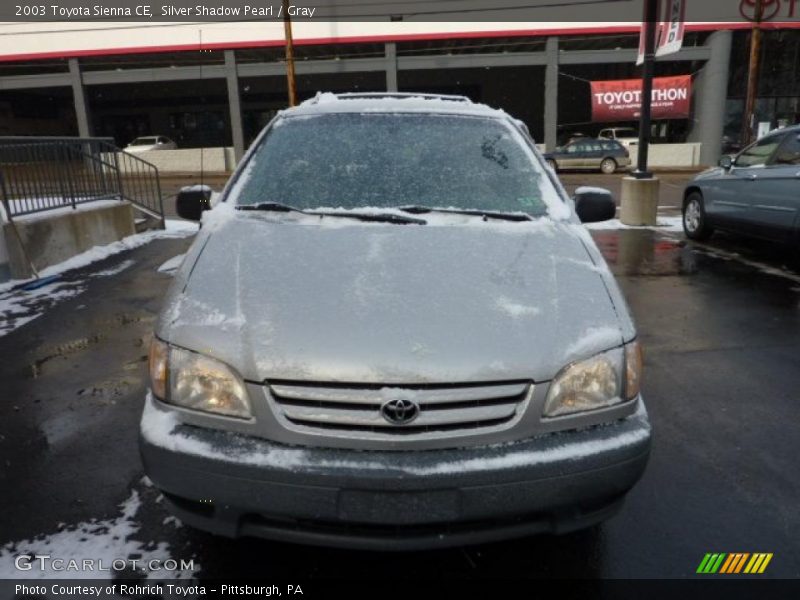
[[604, 380], [159, 359], [634, 365], [197, 382]]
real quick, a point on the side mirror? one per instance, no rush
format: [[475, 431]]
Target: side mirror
[[192, 201], [594, 204], [726, 162]]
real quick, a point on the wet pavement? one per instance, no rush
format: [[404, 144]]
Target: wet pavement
[[721, 327]]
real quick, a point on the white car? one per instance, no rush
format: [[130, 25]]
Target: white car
[[151, 142], [627, 136]]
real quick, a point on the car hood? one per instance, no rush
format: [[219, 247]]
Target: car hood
[[712, 173], [335, 299]]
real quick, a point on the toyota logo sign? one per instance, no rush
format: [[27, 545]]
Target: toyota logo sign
[[400, 412], [769, 9]]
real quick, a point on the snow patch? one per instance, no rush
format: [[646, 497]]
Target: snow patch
[[586, 264], [197, 187], [125, 264], [96, 540], [190, 311], [516, 310], [172, 265], [668, 224], [173, 520], [217, 217], [19, 308], [594, 339]]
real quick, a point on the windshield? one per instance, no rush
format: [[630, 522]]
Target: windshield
[[357, 160]]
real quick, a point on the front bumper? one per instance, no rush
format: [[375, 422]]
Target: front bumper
[[235, 485]]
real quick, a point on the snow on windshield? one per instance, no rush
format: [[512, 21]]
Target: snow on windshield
[[387, 160]]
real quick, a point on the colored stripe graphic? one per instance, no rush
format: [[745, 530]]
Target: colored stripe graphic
[[728, 563], [734, 563], [739, 563], [711, 563]]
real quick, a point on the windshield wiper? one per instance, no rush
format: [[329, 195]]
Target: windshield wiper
[[269, 206], [372, 217], [486, 214]]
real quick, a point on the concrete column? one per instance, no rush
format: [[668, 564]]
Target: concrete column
[[710, 93], [234, 104], [391, 67], [639, 201], [551, 95], [79, 97]]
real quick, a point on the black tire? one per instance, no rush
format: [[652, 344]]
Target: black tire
[[695, 224], [608, 166], [552, 164]]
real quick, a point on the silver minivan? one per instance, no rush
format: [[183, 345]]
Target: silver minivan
[[393, 331]]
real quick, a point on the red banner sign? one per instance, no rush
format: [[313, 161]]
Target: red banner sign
[[621, 100]]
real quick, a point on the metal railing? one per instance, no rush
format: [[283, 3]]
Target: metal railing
[[44, 173]]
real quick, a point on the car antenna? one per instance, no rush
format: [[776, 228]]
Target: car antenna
[[202, 147]]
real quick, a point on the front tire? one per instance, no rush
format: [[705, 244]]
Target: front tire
[[608, 166], [695, 224]]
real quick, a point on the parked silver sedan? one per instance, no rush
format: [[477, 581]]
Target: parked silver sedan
[[393, 331], [756, 193]]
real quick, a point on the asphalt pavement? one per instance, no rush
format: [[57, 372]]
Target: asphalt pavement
[[721, 326]]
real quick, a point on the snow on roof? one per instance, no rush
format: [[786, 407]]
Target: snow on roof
[[327, 102]]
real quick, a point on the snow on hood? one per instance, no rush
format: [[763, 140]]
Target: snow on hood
[[334, 299]]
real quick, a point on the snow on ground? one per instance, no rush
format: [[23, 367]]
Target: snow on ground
[[18, 307], [672, 224], [171, 265], [108, 543], [116, 269]]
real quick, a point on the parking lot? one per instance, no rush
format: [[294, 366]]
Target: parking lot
[[721, 327]]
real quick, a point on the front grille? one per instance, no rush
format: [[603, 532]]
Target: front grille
[[443, 410]]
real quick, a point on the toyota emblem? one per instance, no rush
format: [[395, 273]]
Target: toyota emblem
[[769, 9], [400, 412]]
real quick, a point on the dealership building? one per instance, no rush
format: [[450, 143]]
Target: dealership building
[[216, 84]]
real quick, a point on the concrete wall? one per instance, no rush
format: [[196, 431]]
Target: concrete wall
[[51, 239], [672, 155], [212, 160]]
